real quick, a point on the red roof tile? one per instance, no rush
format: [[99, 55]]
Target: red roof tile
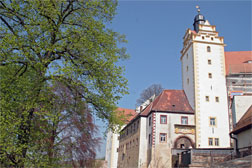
[[128, 113], [244, 122], [235, 61], [169, 101]]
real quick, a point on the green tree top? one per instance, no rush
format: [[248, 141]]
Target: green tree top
[[50, 42], [66, 41]]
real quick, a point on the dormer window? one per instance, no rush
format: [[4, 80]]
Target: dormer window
[[208, 49], [248, 62]]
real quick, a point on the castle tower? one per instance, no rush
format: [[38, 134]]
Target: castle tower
[[203, 75]]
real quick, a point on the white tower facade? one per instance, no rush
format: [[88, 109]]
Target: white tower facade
[[203, 75], [111, 149]]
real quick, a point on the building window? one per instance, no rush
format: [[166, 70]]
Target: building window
[[207, 98], [149, 139], [212, 121], [187, 68], [203, 37], [212, 38], [162, 137], [209, 62], [149, 121], [210, 141], [184, 120], [187, 80], [163, 119], [210, 75], [186, 56], [208, 49], [217, 99], [216, 141]]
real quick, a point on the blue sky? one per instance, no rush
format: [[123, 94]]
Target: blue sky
[[154, 30]]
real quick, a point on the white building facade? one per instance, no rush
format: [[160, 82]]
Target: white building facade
[[203, 75], [165, 124]]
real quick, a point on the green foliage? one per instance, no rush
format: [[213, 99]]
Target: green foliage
[[43, 44]]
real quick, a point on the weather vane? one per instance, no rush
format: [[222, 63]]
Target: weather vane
[[198, 8]]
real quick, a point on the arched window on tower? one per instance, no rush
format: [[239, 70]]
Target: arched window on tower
[[208, 49]]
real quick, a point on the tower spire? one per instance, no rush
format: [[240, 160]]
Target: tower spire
[[198, 9], [199, 19]]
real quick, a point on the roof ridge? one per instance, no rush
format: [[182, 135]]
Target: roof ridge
[[151, 106], [159, 97]]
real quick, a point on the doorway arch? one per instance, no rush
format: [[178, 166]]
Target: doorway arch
[[183, 142]]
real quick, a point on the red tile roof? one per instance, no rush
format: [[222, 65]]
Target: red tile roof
[[245, 122], [129, 114], [169, 101], [235, 62]]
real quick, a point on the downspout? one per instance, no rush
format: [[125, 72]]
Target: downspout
[[236, 144]]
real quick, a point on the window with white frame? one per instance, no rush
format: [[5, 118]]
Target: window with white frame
[[163, 119], [208, 49], [212, 121], [162, 137], [210, 141], [216, 141], [184, 120]]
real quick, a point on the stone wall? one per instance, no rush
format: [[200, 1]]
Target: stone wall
[[203, 157], [128, 151]]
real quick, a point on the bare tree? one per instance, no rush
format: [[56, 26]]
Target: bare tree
[[148, 92]]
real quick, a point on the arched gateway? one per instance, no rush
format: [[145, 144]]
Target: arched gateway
[[183, 142]]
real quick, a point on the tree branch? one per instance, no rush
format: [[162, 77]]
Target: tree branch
[[7, 24]]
